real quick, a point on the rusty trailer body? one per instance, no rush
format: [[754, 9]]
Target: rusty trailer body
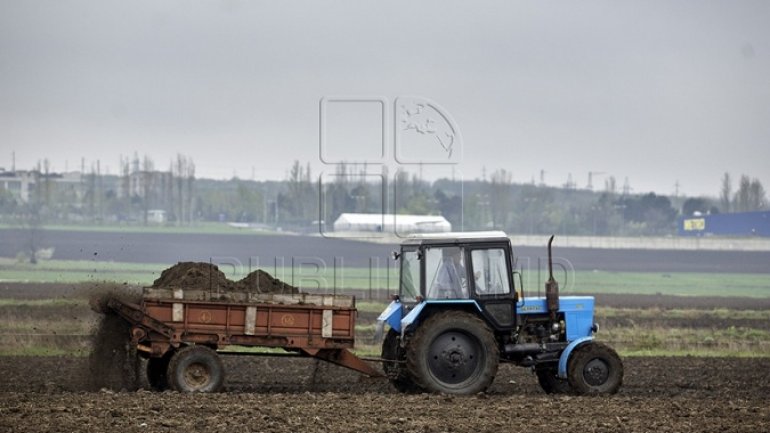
[[193, 325]]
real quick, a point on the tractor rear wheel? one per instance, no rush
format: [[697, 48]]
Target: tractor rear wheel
[[395, 364], [594, 368], [549, 380], [453, 352], [196, 369]]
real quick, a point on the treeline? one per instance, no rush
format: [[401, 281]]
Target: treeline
[[141, 192]]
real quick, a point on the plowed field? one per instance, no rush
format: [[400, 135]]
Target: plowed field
[[47, 394], [660, 394]]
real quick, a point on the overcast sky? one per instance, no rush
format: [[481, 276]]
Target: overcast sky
[[658, 92]]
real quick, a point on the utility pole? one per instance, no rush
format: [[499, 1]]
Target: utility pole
[[570, 184], [626, 187], [591, 175]]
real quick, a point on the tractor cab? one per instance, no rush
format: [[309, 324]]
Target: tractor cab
[[455, 268], [472, 269]]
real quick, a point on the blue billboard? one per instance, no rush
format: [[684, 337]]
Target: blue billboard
[[726, 224]]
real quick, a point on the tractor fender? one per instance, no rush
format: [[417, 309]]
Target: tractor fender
[[392, 316], [444, 304], [564, 358]]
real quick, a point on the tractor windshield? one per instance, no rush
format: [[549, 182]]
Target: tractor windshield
[[410, 276]]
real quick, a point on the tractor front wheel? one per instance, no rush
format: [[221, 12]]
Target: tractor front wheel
[[395, 364], [549, 380], [594, 368], [453, 352]]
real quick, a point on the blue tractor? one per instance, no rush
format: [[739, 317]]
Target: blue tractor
[[458, 315]]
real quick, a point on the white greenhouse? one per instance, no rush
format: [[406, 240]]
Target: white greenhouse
[[391, 223]]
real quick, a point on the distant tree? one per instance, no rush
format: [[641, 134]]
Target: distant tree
[[31, 222], [180, 192], [750, 195], [726, 193], [361, 196], [535, 211], [190, 187], [451, 207], [337, 199], [8, 204], [301, 199], [413, 195], [695, 204], [611, 185], [604, 215], [147, 180], [247, 205], [500, 197], [653, 211], [124, 189], [741, 197], [757, 197], [46, 196]]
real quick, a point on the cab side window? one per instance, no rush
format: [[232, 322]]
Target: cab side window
[[490, 272]]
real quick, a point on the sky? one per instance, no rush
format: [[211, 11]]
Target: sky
[[663, 93]]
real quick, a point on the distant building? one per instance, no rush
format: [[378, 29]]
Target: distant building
[[726, 224], [19, 183], [370, 222], [24, 184], [142, 183], [156, 216]]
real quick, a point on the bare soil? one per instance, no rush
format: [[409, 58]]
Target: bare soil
[[287, 395], [69, 394]]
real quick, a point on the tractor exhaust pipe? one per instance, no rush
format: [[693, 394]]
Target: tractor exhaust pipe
[[551, 286]]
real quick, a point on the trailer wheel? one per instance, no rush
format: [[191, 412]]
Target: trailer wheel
[[157, 369], [196, 369], [453, 352], [595, 368], [550, 381], [396, 372]]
